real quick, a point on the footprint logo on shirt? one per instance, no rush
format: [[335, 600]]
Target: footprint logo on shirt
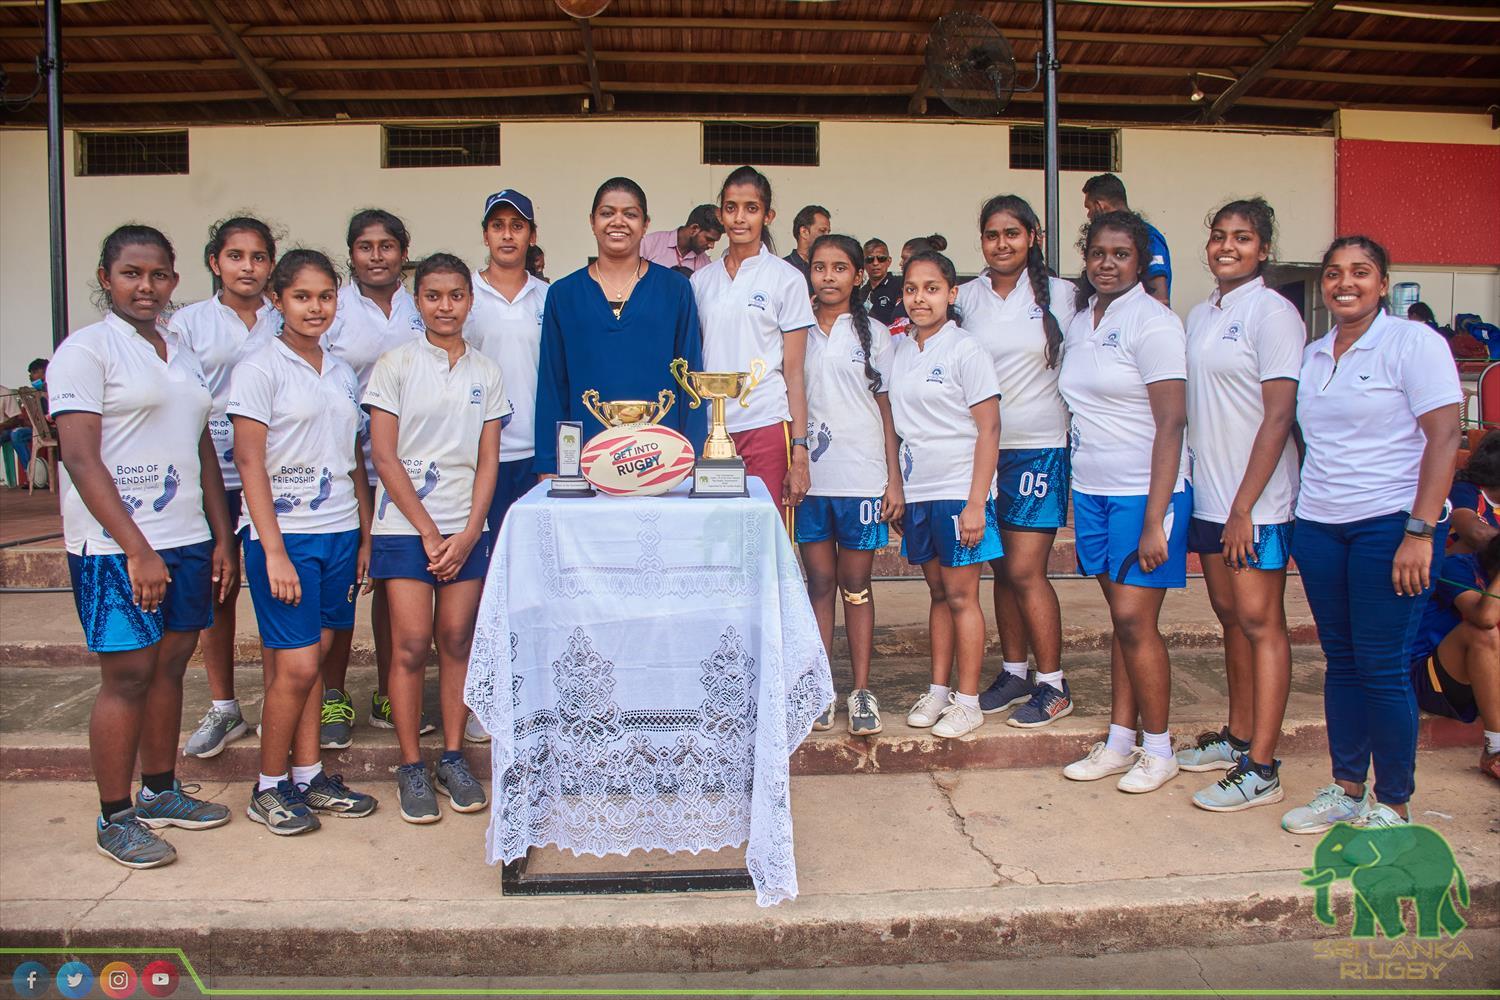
[[286, 503], [229, 455], [821, 441], [906, 463], [168, 489], [429, 481], [132, 504], [325, 488]]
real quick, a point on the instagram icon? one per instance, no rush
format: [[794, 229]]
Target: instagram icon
[[117, 979]]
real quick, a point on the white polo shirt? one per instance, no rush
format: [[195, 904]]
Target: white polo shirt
[[1234, 343], [749, 317], [932, 389], [510, 334], [1359, 418], [845, 435], [312, 423], [1011, 331], [152, 415], [1105, 371], [361, 333], [442, 412], [220, 338]]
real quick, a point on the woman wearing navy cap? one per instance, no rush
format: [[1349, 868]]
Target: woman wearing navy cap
[[614, 326]]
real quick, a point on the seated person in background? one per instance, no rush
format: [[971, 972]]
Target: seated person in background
[[17, 429], [1476, 490], [536, 262], [1421, 312], [1455, 667]]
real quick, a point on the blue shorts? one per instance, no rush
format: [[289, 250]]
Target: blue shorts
[[111, 621], [850, 521], [235, 499], [1107, 532], [515, 479], [1033, 488], [1439, 694], [401, 557], [327, 566], [929, 531], [1273, 542]]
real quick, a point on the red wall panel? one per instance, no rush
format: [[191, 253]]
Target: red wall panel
[[1427, 202]]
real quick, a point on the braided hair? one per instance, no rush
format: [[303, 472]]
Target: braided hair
[[850, 248], [1036, 264]]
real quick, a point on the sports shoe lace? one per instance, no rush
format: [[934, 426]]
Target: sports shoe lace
[[458, 773], [218, 717], [334, 784], [291, 794], [1234, 776], [337, 711], [416, 780], [864, 703], [134, 833]]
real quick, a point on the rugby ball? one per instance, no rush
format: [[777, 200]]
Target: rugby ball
[[638, 460]]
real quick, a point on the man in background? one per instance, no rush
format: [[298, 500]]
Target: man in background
[[687, 245], [813, 221]]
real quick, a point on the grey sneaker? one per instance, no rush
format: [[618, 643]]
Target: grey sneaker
[[1329, 806], [327, 793], [177, 807], [282, 810], [1380, 817], [824, 721], [464, 792], [864, 713], [124, 840], [380, 716], [217, 730], [474, 732], [1242, 788], [1211, 752], [414, 792], [337, 729]]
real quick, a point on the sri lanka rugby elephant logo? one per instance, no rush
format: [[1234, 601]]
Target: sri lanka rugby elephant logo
[[1386, 866]]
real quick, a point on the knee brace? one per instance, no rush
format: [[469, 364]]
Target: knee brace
[[857, 596]]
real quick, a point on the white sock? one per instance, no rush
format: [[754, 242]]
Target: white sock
[[305, 775], [147, 794], [1054, 678], [1121, 740], [1491, 742], [940, 692], [1157, 744], [969, 700], [269, 781], [232, 705], [1017, 669]]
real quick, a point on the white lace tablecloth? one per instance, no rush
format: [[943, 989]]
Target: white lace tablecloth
[[646, 665]]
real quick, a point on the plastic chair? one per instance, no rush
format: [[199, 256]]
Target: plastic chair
[[1489, 396], [43, 439]]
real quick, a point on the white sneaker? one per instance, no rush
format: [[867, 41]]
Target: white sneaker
[[959, 720], [928, 709], [1149, 773], [474, 732], [1101, 762]]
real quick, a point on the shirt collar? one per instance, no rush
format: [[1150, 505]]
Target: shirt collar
[[296, 358], [533, 284], [439, 354], [1137, 291], [366, 302], [1020, 295], [123, 328], [1244, 291], [1368, 341], [942, 332], [260, 313]]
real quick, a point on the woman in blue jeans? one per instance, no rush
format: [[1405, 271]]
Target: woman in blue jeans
[[1378, 409]]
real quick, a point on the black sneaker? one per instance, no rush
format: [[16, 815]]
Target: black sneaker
[[327, 793], [281, 810]]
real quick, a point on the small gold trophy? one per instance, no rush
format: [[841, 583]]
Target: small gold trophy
[[720, 472], [622, 412]]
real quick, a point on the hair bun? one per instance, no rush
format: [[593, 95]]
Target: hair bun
[[939, 242]]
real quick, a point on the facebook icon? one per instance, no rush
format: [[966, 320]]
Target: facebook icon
[[31, 979]]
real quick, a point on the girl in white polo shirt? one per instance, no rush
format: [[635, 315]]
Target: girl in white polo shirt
[[436, 406], [1377, 405], [1123, 377], [752, 305], [221, 329], [944, 406], [297, 447], [376, 314], [139, 476], [1018, 313], [1244, 351], [856, 480]]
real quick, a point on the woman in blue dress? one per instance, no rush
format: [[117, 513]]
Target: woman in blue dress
[[614, 326]]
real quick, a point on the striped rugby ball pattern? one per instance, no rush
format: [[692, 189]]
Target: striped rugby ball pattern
[[641, 460]]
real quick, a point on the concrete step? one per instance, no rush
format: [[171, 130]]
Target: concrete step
[[893, 870], [44, 723]]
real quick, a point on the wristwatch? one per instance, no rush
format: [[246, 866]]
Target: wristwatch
[[799, 442], [1418, 528]]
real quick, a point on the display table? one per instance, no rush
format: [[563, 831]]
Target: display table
[[646, 666]]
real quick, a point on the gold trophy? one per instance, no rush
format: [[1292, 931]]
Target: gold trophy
[[622, 412], [720, 472]]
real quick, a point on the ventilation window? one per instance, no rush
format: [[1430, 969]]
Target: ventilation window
[[1093, 150], [127, 154], [786, 144], [440, 146]]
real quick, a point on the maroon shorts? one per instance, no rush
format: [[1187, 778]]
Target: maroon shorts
[[767, 452]]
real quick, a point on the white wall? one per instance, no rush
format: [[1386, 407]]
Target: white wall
[[891, 179]]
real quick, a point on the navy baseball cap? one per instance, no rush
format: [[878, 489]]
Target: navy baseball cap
[[515, 200]]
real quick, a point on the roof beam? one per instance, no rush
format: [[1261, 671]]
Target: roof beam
[[1283, 45], [596, 105], [236, 46]]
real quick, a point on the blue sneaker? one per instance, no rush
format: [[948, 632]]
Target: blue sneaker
[[328, 794], [176, 807], [1046, 705], [282, 810], [1243, 787], [1329, 806], [1007, 690], [123, 839], [1212, 752]]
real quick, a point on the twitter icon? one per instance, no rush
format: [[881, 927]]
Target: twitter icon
[[75, 980]]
